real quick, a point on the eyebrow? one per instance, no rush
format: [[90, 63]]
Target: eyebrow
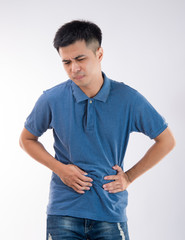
[[76, 58]]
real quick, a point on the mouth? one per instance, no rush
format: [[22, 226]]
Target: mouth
[[79, 77]]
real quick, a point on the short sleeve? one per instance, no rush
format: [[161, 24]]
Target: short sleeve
[[146, 119], [40, 117]]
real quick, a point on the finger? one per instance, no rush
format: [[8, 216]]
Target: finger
[[115, 190], [111, 186], [80, 188], [76, 189], [81, 174], [81, 192], [85, 179], [117, 168], [83, 184], [111, 177]]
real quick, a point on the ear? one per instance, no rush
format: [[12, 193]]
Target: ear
[[99, 54]]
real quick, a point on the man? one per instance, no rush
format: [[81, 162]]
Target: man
[[91, 117]]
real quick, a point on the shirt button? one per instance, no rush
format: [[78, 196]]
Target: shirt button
[[90, 101]]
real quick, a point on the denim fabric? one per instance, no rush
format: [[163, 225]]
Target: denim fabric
[[72, 228]]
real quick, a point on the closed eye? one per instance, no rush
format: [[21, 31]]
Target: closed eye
[[66, 62], [80, 59]]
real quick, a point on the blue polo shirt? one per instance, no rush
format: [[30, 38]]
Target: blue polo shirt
[[92, 133]]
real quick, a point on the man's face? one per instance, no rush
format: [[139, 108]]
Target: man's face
[[81, 63]]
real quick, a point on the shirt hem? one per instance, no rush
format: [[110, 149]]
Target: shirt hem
[[31, 131], [88, 216], [159, 131]]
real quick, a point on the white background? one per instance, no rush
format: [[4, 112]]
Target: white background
[[144, 47]]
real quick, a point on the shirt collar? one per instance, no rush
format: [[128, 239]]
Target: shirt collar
[[102, 95]]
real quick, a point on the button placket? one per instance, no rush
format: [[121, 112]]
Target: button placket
[[90, 115]]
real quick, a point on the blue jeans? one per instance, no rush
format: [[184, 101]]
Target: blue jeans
[[72, 228]]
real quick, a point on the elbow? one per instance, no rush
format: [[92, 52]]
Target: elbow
[[26, 138], [21, 142], [166, 140], [172, 142]]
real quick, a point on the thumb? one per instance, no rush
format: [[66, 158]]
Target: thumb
[[117, 168]]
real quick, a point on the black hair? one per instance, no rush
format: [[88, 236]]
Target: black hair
[[77, 30]]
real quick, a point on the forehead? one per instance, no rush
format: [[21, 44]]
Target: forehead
[[75, 49]]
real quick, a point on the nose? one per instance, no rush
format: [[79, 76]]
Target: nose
[[75, 67]]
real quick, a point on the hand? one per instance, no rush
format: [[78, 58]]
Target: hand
[[121, 181], [73, 177]]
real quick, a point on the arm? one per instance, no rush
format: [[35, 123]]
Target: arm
[[164, 143], [70, 174]]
